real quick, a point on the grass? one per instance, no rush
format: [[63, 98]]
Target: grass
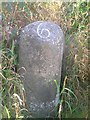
[[74, 20]]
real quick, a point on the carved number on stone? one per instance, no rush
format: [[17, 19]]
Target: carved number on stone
[[41, 32]]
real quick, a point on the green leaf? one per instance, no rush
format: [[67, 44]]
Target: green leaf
[[71, 93], [68, 105], [7, 111]]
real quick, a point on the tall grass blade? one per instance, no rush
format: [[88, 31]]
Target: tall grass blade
[[71, 93], [7, 111]]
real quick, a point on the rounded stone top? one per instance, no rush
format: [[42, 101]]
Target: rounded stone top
[[43, 30]]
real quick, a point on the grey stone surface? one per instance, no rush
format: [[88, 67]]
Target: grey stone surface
[[40, 53]]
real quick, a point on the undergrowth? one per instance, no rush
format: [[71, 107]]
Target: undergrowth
[[74, 21]]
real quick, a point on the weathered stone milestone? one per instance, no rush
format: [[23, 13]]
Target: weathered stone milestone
[[40, 53]]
